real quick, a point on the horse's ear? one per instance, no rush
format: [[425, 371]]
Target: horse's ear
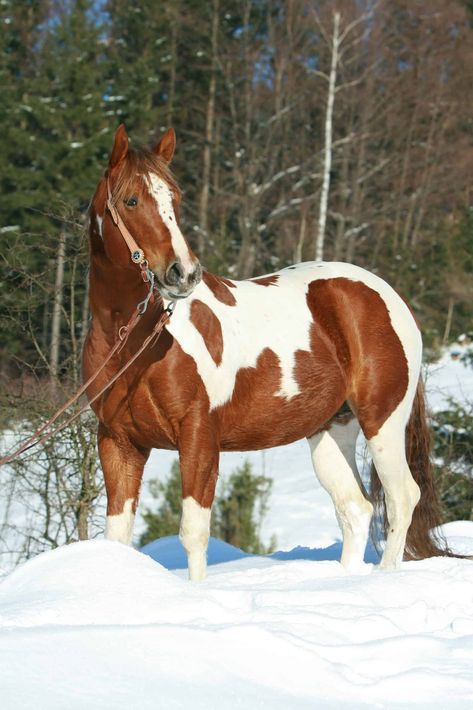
[[165, 147], [120, 146]]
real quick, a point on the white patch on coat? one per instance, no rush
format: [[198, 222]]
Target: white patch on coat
[[263, 317], [277, 317], [120, 527], [194, 535], [162, 195]]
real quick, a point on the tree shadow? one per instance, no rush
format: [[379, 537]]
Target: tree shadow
[[332, 553]]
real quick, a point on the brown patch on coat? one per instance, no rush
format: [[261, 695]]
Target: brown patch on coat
[[227, 282], [208, 325], [219, 288], [258, 416], [266, 280], [353, 323]]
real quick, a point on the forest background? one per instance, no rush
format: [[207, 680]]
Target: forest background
[[335, 129]]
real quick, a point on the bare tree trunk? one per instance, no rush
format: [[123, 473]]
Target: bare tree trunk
[[448, 323], [249, 237], [319, 242], [84, 321], [403, 180], [56, 319], [209, 125], [300, 241], [86, 499], [172, 72]]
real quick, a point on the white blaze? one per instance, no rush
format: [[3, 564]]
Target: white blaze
[[163, 197]]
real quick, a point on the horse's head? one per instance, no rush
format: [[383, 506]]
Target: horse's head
[[145, 196]]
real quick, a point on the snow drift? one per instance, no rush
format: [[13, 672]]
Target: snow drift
[[100, 625]]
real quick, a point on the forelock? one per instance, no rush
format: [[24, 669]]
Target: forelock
[[132, 178]]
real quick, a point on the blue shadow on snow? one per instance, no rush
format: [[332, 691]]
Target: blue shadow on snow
[[169, 552]]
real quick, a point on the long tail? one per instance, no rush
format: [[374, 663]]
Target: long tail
[[423, 540]]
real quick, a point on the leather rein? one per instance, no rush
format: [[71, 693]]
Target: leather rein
[[137, 256]]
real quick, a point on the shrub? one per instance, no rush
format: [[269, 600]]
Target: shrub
[[453, 448]]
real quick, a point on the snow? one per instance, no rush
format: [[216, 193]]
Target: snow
[[9, 228], [97, 624], [100, 625], [449, 378]]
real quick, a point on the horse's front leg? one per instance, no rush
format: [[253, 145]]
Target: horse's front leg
[[199, 458], [122, 464]]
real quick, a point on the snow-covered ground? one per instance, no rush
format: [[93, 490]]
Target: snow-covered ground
[[98, 625]]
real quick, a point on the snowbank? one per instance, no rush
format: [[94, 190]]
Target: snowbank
[[99, 625], [451, 377]]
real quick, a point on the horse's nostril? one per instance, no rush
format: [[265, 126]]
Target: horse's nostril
[[196, 275], [175, 273]]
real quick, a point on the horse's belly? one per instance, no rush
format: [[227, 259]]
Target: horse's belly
[[259, 415], [281, 426]]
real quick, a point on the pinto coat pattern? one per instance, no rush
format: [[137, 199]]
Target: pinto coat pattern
[[316, 350]]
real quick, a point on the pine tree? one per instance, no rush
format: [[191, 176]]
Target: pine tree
[[237, 512], [165, 521], [59, 146], [241, 508], [453, 440]]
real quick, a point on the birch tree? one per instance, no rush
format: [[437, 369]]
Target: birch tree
[[56, 315], [340, 43], [209, 132], [328, 140]]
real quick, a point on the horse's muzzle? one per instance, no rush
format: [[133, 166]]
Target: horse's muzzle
[[179, 282]]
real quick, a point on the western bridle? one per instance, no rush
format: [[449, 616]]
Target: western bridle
[[138, 257]]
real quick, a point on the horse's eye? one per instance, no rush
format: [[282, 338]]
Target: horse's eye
[[131, 201]]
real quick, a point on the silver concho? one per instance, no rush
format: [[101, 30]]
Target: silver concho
[[137, 256]]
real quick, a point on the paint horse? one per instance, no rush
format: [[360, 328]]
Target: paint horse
[[316, 350]]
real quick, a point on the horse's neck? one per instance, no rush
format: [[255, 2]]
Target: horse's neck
[[114, 292]]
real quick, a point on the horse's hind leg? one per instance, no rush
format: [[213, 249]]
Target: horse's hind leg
[[122, 465], [333, 456], [401, 492]]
